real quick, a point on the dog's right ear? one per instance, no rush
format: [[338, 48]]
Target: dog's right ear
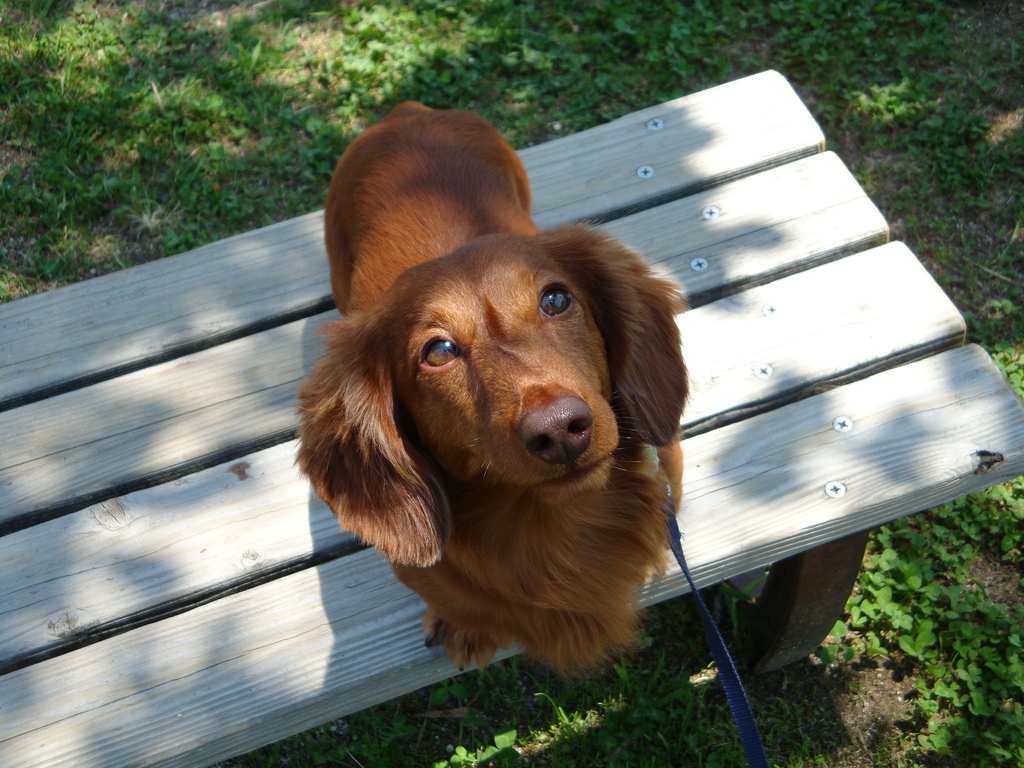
[[375, 481]]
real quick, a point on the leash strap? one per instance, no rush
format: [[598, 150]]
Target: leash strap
[[734, 690]]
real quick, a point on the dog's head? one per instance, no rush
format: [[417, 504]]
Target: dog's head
[[514, 361]]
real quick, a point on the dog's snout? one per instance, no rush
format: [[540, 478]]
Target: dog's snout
[[559, 432]]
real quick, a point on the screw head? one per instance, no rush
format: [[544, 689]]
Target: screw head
[[250, 558], [711, 212], [769, 310], [835, 489], [655, 124], [842, 424], [764, 370], [699, 264], [645, 171]]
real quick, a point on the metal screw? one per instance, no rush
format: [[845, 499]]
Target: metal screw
[[711, 212], [699, 264], [250, 558], [842, 424], [655, 124], [764, 370], [835, 489], [769, 310], [645, 171]]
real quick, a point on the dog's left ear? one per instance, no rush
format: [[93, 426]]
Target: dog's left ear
[[635, 311]]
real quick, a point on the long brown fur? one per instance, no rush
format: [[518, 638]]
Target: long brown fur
[[429, 237]]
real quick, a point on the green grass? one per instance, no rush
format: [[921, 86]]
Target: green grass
[[129, 131]]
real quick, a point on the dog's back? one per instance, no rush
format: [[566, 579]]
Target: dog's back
[[416, 186]]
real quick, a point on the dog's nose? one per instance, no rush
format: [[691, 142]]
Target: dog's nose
[[559, 432]]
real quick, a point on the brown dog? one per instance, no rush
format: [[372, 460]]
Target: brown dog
[[483, 414]]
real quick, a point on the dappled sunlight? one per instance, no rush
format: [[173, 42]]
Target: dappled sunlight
[[780, 220], [811, 329], [241, 517], [195, 669], [758, 491], [893, 103], [99, 438], [1004, 126], [222, 289]]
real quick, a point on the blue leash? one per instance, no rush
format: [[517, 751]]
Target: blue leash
[[734, 691]]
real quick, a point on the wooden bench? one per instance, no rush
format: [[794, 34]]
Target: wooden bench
[[172, 593]]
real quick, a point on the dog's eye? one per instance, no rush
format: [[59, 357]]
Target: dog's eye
[[440, 352], [555, 301]]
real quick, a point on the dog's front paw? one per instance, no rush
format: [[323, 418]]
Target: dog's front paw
[[464, 648]]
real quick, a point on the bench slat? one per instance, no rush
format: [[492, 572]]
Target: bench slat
[[105, 566], [813, 329], [708, 138], [154, 423], [141, 550], [771, 224], [256, 666], [152, 311], [79, 444], [120, 321], [755, 491]]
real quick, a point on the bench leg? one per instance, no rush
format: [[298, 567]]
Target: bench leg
[[802, 598]]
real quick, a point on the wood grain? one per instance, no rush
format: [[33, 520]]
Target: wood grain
[[770, 224], [256, 666], [755, 491], [187, 412], [733, 130], [149, 311], [123, 556], [124, 319], [773, 341], [155, 420]]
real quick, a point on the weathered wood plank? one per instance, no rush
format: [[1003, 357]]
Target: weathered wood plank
[[147, 312], [225, 289], [729, 131], [93, 571], [231, 522], [256, 666], [244, 388], [757, 491], [817, 327], [774, 223], [154, 421]]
